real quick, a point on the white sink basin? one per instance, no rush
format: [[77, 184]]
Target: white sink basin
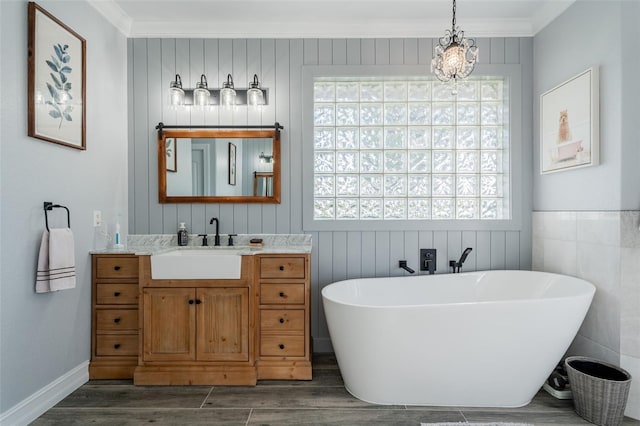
[[183, 264]]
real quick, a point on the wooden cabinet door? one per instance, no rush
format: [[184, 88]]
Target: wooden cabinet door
[[169, 324], [223, 324]]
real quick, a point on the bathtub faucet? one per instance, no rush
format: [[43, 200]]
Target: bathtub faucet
[[455, 266], [403, 264]]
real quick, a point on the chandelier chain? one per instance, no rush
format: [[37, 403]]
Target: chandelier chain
[[453, 20]]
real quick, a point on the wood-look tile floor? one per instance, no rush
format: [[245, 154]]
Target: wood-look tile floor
[[322, 401]]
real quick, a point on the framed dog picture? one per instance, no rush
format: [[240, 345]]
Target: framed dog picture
[[569, 124]]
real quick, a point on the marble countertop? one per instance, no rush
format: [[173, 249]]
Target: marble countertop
[[161, 243]]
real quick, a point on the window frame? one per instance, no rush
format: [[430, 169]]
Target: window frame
[[511, 72]]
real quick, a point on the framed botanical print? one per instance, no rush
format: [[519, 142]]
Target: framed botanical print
[[57, 80]]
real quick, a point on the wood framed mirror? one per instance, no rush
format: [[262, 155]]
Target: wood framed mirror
[[218, 164]]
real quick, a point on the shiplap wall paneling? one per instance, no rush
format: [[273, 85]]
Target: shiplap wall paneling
[[153, 63]]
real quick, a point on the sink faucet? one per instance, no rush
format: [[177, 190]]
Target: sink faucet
[[216, 240], [455, 266]]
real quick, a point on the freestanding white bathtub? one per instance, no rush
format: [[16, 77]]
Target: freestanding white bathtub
[[478, 339]]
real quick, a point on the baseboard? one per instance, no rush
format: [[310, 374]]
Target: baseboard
[[322, 345], [38, 403]]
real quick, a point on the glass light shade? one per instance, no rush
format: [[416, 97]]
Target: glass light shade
[[201, 93], [201, 97], [227, 97], [228, 93], [255, 97], [176, 94]]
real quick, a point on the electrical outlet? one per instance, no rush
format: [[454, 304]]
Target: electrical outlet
[[97, 218]]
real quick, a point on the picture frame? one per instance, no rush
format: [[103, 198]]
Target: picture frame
[[569, 124], [232, 164], [56, 80], [171, 152]]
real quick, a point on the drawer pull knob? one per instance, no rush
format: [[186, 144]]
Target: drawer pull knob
[[198, 301], [282, 294], [117, 346], [116, 293], [281, 268], [281, 320], [281, 346], [191, 302], [116, 320], [116, 268]]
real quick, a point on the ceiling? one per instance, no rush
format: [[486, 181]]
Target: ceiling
[[327, 18]]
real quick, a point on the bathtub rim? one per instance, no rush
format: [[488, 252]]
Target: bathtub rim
[[589, 291]]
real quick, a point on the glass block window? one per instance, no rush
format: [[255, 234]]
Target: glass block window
[[408, 149]]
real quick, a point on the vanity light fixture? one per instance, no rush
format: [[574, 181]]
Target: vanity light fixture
[[255, 96], [228, 93], [201, 93], [228, 96], [265, 158], [176, 93], [455, 56]]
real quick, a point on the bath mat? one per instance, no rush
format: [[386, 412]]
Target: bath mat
[[476, 424]]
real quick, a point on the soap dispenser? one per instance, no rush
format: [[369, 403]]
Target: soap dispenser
[[183, 235]]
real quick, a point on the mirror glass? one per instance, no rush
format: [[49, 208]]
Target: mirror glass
[[217, 166]]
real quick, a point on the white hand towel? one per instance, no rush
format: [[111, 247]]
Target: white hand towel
[[56, 261]]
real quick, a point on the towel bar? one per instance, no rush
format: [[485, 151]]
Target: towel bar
[[48, 205]]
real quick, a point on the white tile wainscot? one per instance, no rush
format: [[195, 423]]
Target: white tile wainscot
[[602, 247]]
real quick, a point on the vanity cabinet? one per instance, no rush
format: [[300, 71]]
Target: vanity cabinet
[[201, 331], [284, 349], [196, 324], [114, 316], [197, 331]]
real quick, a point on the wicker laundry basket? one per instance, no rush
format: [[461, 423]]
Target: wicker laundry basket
[[600, 390]]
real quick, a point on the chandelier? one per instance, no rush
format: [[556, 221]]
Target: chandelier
[[454, 56]]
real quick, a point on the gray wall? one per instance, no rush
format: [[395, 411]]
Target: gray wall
[[581, 217], [44, 336], [604, 34], [336, 255]]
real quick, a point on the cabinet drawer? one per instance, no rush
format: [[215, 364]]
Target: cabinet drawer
[[282, 320], [116, 294], [282, 267], [289, 294], [282, 345], [116, 319], [117, 344], [116, 267]]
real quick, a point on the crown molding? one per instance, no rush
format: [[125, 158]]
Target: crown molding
[[246, 27], [547, 13], [114, 14]]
